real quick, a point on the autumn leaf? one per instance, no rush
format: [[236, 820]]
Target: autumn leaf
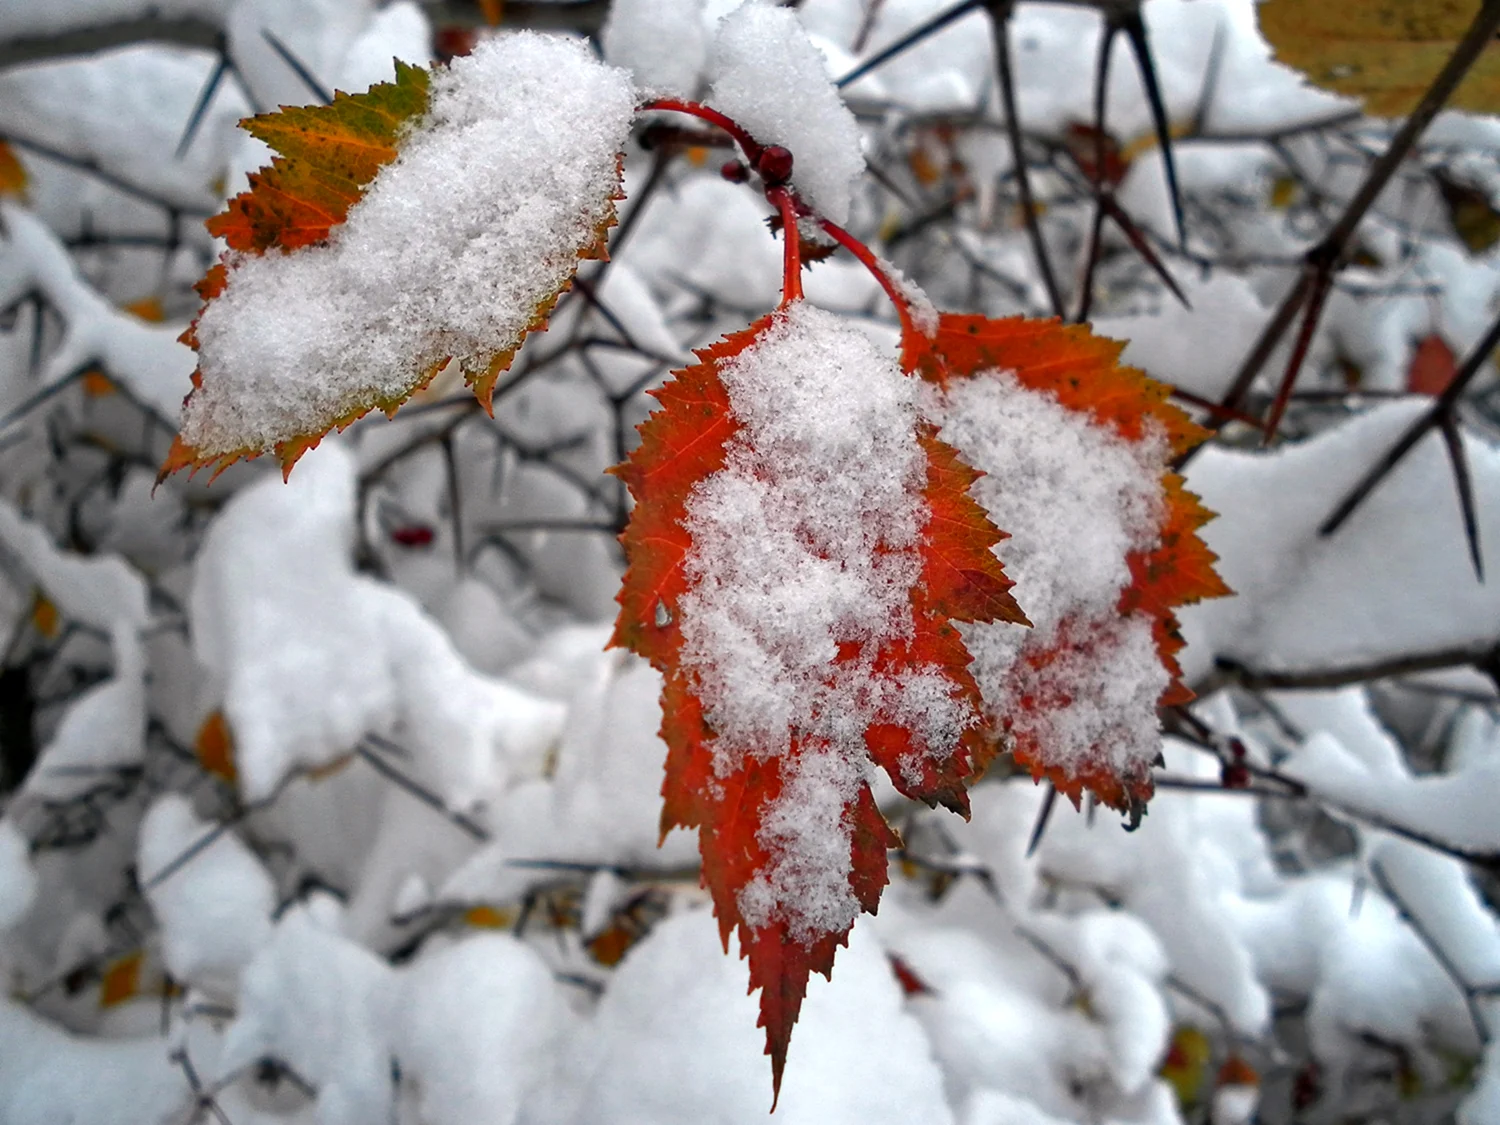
[[1076, 450], [1385, 51], [353, 277], [801, 549]]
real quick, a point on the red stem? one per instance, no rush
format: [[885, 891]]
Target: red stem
[[791, 276], [747, 143], [871, 263]]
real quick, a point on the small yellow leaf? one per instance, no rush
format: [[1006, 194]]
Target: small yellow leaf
[[1385, 51], [214, 747], [1186, 1064], [121, 980], [148, 309], [96, 384], [1283, 192], [489, 917]]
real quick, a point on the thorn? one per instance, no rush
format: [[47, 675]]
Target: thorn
[[308, 78], [200, 108], [1135, 31], [1000, 12], [1444, 403], [931, 27], [1463, 482], [1322, 282], [1042, 817]]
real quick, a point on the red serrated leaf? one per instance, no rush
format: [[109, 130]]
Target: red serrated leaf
[[734, 798], [1082, 373]]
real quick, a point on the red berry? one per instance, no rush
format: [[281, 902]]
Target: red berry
[[1234, 776], [734, 172], [774, 165], [416, 535]]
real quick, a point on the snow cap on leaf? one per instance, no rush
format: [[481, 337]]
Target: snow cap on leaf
[[801, 549], [432, 219], [1076, 452]]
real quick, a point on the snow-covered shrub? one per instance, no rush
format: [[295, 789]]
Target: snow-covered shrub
[[326, 801]]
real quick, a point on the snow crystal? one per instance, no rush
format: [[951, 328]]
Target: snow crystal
[[771, 80], [215, 910], [449, 253], [806, 539], [1076, 499], [663, 43]]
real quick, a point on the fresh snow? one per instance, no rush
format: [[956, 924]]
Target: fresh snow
[[772, 81], [808, 538], [1075, 499]]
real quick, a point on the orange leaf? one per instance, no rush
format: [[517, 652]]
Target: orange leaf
[[1061, 669], [738, 797], [121, 980]]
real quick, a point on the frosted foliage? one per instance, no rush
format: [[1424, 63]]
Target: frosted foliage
[[452, 249], [661, 42], [771, 80], [808, 538], [808, 875], [1076, 499]]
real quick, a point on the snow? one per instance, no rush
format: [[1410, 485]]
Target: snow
[[535, 123], [769, 79], [215, 910], [322, 1004], [48, 1076], [18, 879], [104, 729], [328, 923], [145, 358], [663, 44], [478, 1020], [1305, 600], [675, 1039], [354, 657], [97, 591], [1075, 499]]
